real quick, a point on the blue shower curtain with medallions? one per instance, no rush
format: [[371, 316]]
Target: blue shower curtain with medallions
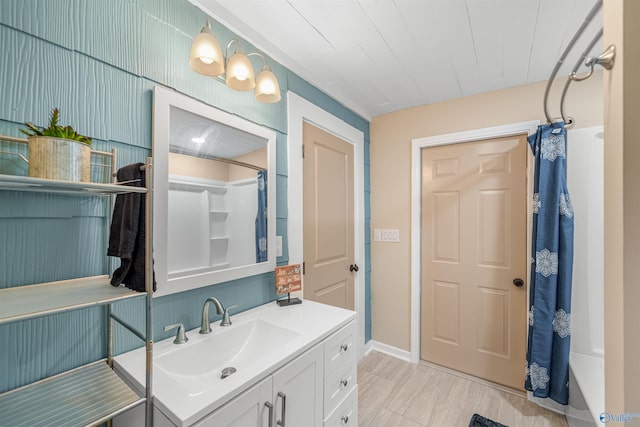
[[547, 371], [261, 218]]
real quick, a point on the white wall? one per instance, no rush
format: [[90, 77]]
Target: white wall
[[242, 200], [585, 179]]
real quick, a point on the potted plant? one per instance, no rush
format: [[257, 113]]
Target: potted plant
[[58, 152]]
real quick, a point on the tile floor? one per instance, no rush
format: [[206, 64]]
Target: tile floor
[[394, 393]]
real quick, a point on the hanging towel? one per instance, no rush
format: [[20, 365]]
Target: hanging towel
[[127, 233]]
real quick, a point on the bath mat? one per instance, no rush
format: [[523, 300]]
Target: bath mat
[[480, 421]]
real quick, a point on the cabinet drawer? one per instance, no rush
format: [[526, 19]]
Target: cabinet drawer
[[339, 348], [347, 413], [338, 385]]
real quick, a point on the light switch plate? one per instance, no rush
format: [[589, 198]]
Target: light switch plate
[[391, 235], [386, 235]]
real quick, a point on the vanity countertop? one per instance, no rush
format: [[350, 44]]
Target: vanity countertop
[[306, 324]]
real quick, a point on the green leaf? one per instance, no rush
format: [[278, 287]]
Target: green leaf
[[56, 131]]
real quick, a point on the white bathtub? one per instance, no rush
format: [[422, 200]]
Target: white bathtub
[[585, 175]]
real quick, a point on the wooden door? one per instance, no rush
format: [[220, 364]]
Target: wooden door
[[473, 317], [328, 218]]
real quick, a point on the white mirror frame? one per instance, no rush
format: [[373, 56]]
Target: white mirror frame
[[163, 100]]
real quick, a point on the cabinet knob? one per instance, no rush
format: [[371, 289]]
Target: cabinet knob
[[344, 383], [344, 347], [345, 419]]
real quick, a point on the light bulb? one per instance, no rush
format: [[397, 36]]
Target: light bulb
[[205, 56]]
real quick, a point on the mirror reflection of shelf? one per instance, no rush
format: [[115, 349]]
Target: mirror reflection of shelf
[[197, 205], [188, 184]]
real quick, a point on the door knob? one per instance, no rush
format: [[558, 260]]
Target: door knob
[[353, 267], [518, 282]]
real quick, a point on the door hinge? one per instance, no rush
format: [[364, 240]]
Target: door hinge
[[303, 267], [303, 151]]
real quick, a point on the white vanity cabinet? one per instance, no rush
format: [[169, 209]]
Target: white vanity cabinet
[[341, 378], [250, 409], [318, 388], [295, 366], [292, 394]]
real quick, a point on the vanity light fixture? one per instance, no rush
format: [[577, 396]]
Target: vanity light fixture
[[239, 71], [267, 87], [206, 58]]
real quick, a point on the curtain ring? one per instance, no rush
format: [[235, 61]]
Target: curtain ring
[[574, 76]]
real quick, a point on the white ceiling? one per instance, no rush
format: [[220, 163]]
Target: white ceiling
[[379, 56]]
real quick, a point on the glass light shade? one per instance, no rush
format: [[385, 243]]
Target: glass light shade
[[205, 56], [267, 87], [240, 72]]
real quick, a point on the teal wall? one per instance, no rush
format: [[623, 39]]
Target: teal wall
[[98, 61]]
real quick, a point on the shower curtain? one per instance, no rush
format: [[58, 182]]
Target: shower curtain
[[547, 370], [261, 218]]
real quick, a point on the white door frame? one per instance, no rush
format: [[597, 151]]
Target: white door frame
[[417, 145], [300, 110]]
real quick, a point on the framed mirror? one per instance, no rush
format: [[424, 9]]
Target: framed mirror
[[214, 194]]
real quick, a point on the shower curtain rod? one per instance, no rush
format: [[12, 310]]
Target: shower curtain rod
[[590, 62], [236, 163]]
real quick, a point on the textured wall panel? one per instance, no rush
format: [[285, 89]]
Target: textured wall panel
[[282, 167], [20, 14], [100, 71], [281, 196], [49, 75], [126, 154], [37, 348], [12, 164], [49, 237], [162, 52], [281, 230], [129, 110], [96, 35]]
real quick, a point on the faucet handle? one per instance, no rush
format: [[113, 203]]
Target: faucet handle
[[181, 337], [226, 321]]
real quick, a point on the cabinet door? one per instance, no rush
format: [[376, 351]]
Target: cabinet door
[[297, 391], [246, 410]]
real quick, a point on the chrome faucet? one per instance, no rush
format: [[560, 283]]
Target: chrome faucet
[[226, 321], [205, 327], [181, 337]]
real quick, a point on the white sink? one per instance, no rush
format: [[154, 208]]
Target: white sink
[[197, 366], [186, 377]]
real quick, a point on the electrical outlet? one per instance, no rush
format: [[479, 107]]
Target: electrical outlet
[[377, 235]]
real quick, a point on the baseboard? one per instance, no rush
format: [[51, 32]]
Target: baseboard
[[389, 350], [368, 348]]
